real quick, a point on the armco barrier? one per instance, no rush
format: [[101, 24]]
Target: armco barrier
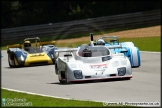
[[87, 25]]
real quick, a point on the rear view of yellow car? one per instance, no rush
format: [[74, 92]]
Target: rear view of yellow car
[[32, 52]]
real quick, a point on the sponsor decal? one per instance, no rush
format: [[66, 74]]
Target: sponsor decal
[[98, 66]]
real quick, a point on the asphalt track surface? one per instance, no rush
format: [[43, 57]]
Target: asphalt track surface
[[143, 87]]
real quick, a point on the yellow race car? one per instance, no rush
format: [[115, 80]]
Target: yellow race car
[[32, 52]]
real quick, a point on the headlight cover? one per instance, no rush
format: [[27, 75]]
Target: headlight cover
[[121, 71], [78, 74], [22, 58]]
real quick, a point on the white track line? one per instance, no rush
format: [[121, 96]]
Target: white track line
[[45, 95]]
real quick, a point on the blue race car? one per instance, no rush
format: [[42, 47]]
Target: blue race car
[[128, 48]]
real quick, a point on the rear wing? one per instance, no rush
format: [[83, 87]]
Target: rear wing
[[47, 43], [34, 38], [114, 37], [56, 52], [14, 46], [118, 46]]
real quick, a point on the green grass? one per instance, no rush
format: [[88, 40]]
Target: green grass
[[144, 44], [42, 101]]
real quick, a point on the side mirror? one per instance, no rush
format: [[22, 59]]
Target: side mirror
[[123, 51]]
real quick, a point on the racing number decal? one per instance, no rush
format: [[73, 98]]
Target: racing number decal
[[99, 66]]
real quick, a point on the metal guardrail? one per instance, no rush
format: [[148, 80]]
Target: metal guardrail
[[80, 26]]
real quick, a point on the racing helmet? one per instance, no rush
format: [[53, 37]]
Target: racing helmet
[[27, 44], [100, 42], [86, 53]]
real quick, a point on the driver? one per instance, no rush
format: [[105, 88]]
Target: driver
[[100, 42], [87, 53], [27, 45]]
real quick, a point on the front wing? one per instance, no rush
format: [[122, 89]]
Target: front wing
[[91, 74], [99, 74]]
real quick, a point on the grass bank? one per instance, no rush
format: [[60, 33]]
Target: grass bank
[[13, 98]]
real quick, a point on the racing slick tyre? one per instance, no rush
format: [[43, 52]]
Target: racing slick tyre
[[56, 69], [12, 58], [10, 64], [63, 81], [63, 78], [127, 78]]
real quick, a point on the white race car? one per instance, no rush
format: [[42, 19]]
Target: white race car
[[91, 63]]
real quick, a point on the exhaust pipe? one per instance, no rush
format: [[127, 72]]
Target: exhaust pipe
[[91, 39]]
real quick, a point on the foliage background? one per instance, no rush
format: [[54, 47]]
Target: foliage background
[[16, 13]]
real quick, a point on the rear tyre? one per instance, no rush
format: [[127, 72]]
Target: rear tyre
[[127, 78], [135, 66]]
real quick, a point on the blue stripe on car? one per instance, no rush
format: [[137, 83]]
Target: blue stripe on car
[[131, 56], [138, 53]]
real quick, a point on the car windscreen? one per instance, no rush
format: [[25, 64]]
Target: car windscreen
[[99, 51], [34, 50]]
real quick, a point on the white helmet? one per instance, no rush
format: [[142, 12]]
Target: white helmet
[[100, 42]]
